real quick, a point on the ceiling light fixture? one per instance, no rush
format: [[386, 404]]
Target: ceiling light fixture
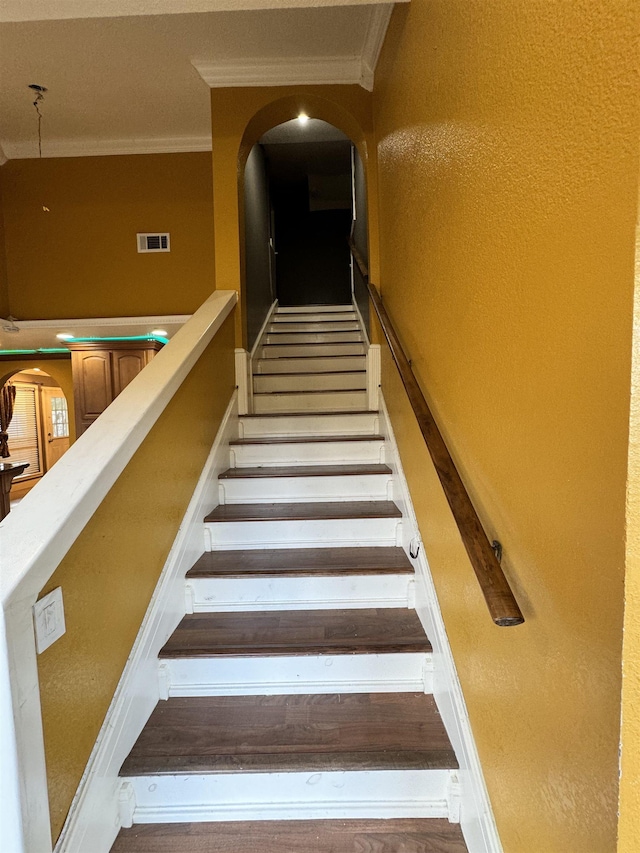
[[162, 332], [64, 336], [303, 118]]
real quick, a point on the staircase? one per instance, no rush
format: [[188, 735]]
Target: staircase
[[298, 714]]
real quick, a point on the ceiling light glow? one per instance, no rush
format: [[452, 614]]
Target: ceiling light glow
[[303, 118], [162, 332], [63, 336]]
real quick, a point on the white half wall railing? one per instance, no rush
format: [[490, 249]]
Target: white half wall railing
[[37, 535]]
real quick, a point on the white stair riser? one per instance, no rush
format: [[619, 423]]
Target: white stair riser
[[343, 424], [309, 365], [312, 402], [311, 317], [295, 534], [313, 338], [256, 490], [281, 796], [308, 326], [293, 350], [223, 595], [302, 674], [311, 382], [331, 452], [310, 309]]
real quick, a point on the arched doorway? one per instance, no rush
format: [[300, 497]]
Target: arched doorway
[[39, 429], [304, 195]]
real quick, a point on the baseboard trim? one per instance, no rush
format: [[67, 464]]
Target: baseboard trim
[[94, 817], [476, 816]]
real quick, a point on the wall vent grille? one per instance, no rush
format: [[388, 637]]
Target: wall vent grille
[[154, 242]]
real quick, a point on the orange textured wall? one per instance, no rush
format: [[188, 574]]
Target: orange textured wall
[[507, 162], [110, 573], [80, 259]]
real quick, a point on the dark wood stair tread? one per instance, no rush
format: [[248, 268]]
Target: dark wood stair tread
[[357, 731], [321, 511], [301, 439], [399, 835], [297, 632], [303, 471], [297, 562]]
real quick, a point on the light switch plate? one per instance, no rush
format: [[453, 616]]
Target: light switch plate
[[48, 619]]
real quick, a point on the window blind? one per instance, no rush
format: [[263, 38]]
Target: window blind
[[23, 430]]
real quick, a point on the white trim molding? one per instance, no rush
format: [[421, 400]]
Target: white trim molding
[[373, 40], [476, 816], [107, 147], [281, 71]]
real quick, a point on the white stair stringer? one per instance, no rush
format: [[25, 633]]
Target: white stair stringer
[[182, 797]]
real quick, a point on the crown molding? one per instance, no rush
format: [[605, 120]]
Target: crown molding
[[374, 38], [107, 147], [289, 71], [51, 10]]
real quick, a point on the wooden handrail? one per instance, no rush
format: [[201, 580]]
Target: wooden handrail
[[500, 600]]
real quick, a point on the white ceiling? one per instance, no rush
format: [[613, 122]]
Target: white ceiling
[[121, 74]]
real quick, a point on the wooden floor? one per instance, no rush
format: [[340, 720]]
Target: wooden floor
[[298, 632], [292, 562], [321, 511], [356, 731], [295, 836]]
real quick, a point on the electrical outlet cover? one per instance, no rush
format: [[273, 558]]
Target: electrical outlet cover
[[48, 619]]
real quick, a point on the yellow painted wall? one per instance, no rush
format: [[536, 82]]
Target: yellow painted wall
[[239, 118], [507, 165], [110, 573], [629, 820], [4, 292], [58, 368], [80, 259]]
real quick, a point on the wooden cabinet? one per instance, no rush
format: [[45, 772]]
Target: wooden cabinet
[[100, 373]]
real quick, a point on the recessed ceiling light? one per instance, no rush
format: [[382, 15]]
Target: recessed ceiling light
[[303, 118], [63, 336], [36, 370], [162, 332]]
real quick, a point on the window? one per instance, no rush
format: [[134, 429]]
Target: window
[[23, 430], [59, 417]]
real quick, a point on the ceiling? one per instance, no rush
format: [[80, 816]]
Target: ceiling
[[133, 76], [38, 334]]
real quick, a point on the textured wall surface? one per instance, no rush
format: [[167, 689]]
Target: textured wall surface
[[109, 575], [507, 158], [629, 821], [80, 259]]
